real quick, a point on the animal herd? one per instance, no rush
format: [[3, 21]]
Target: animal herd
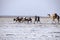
[[26, 19], [23, 19], [36, 18]]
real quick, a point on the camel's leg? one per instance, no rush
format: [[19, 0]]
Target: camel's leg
[[53, 20], [21, 21], [58, 20], [31, 21], [16, 20], [37, 21], [34, 21], [28, 22]]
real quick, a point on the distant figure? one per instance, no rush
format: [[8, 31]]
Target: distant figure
[[54, 16], [37, 19]]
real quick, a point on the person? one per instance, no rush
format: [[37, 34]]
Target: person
[[37, 19]]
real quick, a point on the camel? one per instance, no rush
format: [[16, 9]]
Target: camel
[[54, 16], [27, 19], [22, 19], [18, 19]]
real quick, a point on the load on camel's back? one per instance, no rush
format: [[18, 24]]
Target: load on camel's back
[[54, 16]]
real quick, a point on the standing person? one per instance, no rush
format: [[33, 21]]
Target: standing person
[[38, 19], [35, 19]]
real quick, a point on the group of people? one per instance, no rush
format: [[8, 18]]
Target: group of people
[[37, 19]]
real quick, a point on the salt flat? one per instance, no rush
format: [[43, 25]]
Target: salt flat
[[10, 30]]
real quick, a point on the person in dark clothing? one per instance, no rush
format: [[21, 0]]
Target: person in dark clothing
[[37, 19]]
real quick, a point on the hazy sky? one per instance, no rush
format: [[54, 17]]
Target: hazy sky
[[29, 7]]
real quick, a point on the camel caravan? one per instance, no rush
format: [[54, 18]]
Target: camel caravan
[[36, 18], [27, 19], [54, 16]]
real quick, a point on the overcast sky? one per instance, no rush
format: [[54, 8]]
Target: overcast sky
[[29, 7]]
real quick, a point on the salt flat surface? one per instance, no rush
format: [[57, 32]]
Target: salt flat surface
[[10, 30]]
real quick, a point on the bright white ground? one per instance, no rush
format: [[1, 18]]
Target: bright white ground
[[23, 31]]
